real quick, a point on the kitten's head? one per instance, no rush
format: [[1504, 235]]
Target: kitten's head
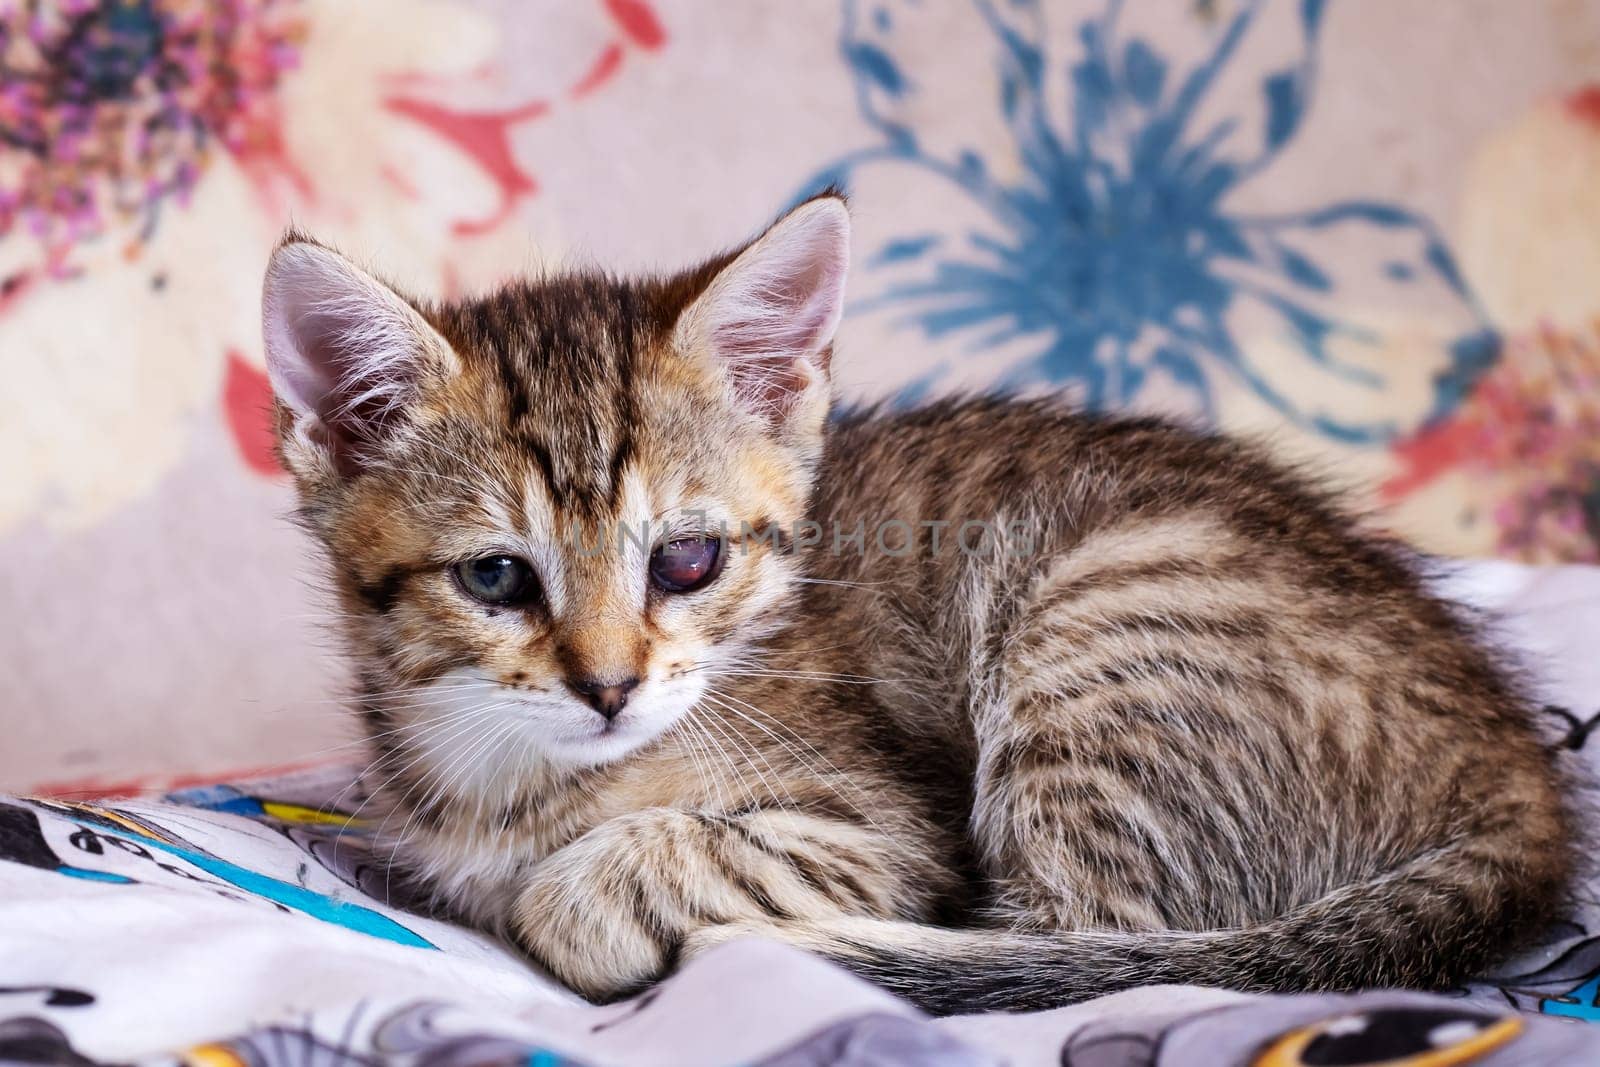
[[545, 509]]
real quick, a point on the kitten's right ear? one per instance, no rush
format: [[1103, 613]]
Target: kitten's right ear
[[347, 356]]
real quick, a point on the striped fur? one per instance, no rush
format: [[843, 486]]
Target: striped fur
[[1192, 723]]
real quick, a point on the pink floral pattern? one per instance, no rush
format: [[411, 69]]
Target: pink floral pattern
[[1528, 439], [110, 111]]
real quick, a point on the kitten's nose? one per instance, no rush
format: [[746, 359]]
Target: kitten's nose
[[608, 698]]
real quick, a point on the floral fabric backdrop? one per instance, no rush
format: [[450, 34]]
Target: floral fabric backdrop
[[1370, 232]]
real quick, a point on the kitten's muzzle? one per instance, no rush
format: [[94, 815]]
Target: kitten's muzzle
[[608, 698]]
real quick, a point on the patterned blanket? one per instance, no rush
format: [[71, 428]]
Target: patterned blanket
[[252, 924]]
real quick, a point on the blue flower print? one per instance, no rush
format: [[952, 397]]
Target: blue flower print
[[1111, 234]]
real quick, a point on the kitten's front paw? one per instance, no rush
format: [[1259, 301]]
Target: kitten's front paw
[[593, 915], [599, 951]]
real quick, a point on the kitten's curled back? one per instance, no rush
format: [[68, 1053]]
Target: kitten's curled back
[[997, 704]]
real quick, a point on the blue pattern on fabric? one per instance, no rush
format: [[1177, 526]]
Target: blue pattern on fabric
[[1115, 250]]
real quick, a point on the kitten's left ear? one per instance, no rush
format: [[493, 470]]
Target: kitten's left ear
[[768, 317]]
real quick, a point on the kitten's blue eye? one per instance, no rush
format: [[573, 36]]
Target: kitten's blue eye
[[686, 564], [497, 579]]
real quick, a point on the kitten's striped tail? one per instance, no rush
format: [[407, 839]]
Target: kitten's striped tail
[[1425, 925]]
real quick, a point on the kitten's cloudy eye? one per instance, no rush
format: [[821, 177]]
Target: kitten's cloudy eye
[[497, 579], [686, 564]]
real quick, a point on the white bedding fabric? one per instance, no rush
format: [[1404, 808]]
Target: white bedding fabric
[[235, 925]]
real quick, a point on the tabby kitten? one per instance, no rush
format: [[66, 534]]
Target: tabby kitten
[[997, 704]]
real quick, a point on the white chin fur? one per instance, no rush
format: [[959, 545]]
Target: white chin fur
[[475, 736]]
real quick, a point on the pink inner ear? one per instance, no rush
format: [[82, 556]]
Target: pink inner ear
[[773, 311], [765, 357], [360, 394], [787, 318], [340, 346]]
